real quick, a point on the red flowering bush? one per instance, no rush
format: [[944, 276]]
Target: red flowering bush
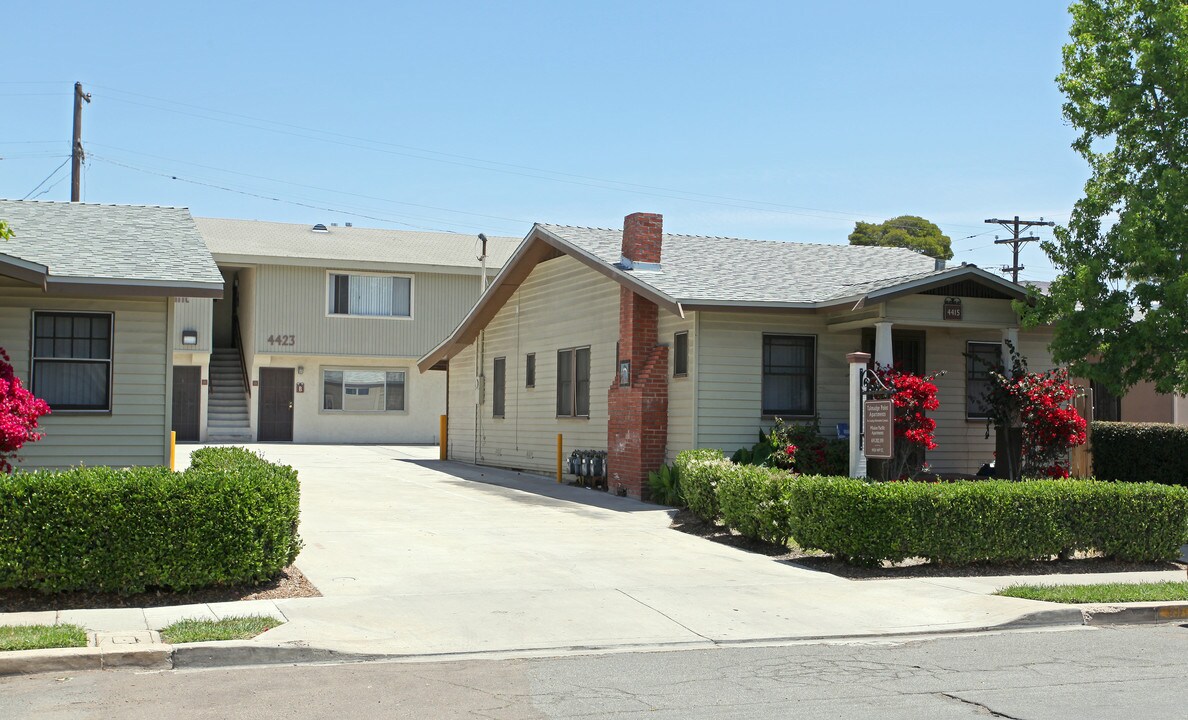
[[19, 411], [1041, 404], [913, 396], [801, 448]]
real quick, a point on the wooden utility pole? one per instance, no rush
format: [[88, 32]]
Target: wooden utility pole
[[1017, 227], [76, 148]]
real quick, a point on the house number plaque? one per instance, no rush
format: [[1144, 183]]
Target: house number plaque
[[952, 308]]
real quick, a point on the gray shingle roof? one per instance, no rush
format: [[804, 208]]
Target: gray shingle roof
[[288, 242], [696, 269], [120, 244]]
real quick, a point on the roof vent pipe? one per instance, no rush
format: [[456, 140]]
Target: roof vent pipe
[[940, 264], [320, 228]]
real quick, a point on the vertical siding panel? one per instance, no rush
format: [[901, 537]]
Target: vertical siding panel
[[292, 301], [193, 314]]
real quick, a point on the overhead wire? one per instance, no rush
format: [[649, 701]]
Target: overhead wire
[[47, 177], [500, 167]]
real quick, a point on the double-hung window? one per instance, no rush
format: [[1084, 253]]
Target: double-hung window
[[789, 375], [981, 358], [363, 390], [72, 360], [370, 295], [573, 382]]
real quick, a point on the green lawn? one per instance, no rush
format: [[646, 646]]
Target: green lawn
[[1102, 593], [229, 628], [34, 637]]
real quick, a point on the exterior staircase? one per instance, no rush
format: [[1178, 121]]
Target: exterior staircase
[[227, 418]]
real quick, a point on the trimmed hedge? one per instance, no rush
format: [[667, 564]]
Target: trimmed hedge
[[988, 521], [756, 501], [1137, 452], [700, 471], [230, 518]]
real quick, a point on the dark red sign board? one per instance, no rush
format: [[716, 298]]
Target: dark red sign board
[[878, 429]]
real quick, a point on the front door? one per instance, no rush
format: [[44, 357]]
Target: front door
[[187, 394], [276, 404]]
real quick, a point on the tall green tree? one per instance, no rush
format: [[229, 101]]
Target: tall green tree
[[1118, 306], [5, 230], [906, 231]]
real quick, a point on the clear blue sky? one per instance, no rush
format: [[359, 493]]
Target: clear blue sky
[[774, 120]]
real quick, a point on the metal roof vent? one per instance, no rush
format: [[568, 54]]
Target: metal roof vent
[[320, 228]]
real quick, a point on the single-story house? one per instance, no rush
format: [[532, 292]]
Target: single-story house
[[318, 333], [643, 344], [86, 314]]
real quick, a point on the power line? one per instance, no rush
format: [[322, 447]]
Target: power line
[[313, 187], [55, 184], [503, 167], [272, 198], [47, 177]]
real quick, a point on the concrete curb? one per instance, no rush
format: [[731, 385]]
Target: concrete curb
[[143, 657], [1135, 615], [238, 654]]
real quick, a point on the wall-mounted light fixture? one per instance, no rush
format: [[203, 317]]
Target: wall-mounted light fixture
[[189, 337], [300, 369]]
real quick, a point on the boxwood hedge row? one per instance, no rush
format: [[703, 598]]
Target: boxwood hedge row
[[951, 523], [230, 518], [1138, 452]]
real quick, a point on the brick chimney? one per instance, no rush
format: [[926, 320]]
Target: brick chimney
[[637, 427], [643, 234]]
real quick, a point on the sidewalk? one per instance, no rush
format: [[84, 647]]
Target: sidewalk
[[418, 558]]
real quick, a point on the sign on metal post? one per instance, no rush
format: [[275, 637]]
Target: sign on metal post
[[878, 429]]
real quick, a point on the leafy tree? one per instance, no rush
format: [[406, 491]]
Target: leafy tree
[[5, 230], [906, 231], [1119, 307]]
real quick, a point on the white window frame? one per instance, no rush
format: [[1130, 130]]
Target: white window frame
[[110, 361], [323, 410], [412, 294]]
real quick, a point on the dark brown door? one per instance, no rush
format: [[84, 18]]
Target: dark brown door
[[276, 404], [187, 393]]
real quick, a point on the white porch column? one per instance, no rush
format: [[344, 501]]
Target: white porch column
[[882, 353], [857, 361], [1009, 335]]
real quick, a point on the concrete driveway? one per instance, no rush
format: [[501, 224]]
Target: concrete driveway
[[418, 556]]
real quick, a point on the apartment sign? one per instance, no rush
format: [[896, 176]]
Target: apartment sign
[[878, 429]]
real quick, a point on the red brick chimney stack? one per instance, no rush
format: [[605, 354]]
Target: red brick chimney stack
[[643, 234], [637, 428]]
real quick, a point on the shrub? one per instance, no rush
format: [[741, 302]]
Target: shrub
[[664, 486], [1141, 451], [700, 471], [19, 411], [987, 521], [812, 454], [756, 501], [230, 518]]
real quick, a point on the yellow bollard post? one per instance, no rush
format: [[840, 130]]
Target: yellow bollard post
[[173, 450], [559, 457], [444, 442]]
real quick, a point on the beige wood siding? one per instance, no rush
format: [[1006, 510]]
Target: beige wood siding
[[562, 304], [681, 390], [193, 314], [730, 374], [292, 301], [962, 443], [134, 432]]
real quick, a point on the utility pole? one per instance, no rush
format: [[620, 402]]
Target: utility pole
[[1017, 227], [76, 148], [483, 260]]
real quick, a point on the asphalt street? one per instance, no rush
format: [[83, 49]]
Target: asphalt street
[[1125, 672]]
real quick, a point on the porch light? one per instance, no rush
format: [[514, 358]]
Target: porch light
[[189, 337]]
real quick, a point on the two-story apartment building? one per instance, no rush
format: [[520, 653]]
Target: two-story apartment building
[[317, 335]]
